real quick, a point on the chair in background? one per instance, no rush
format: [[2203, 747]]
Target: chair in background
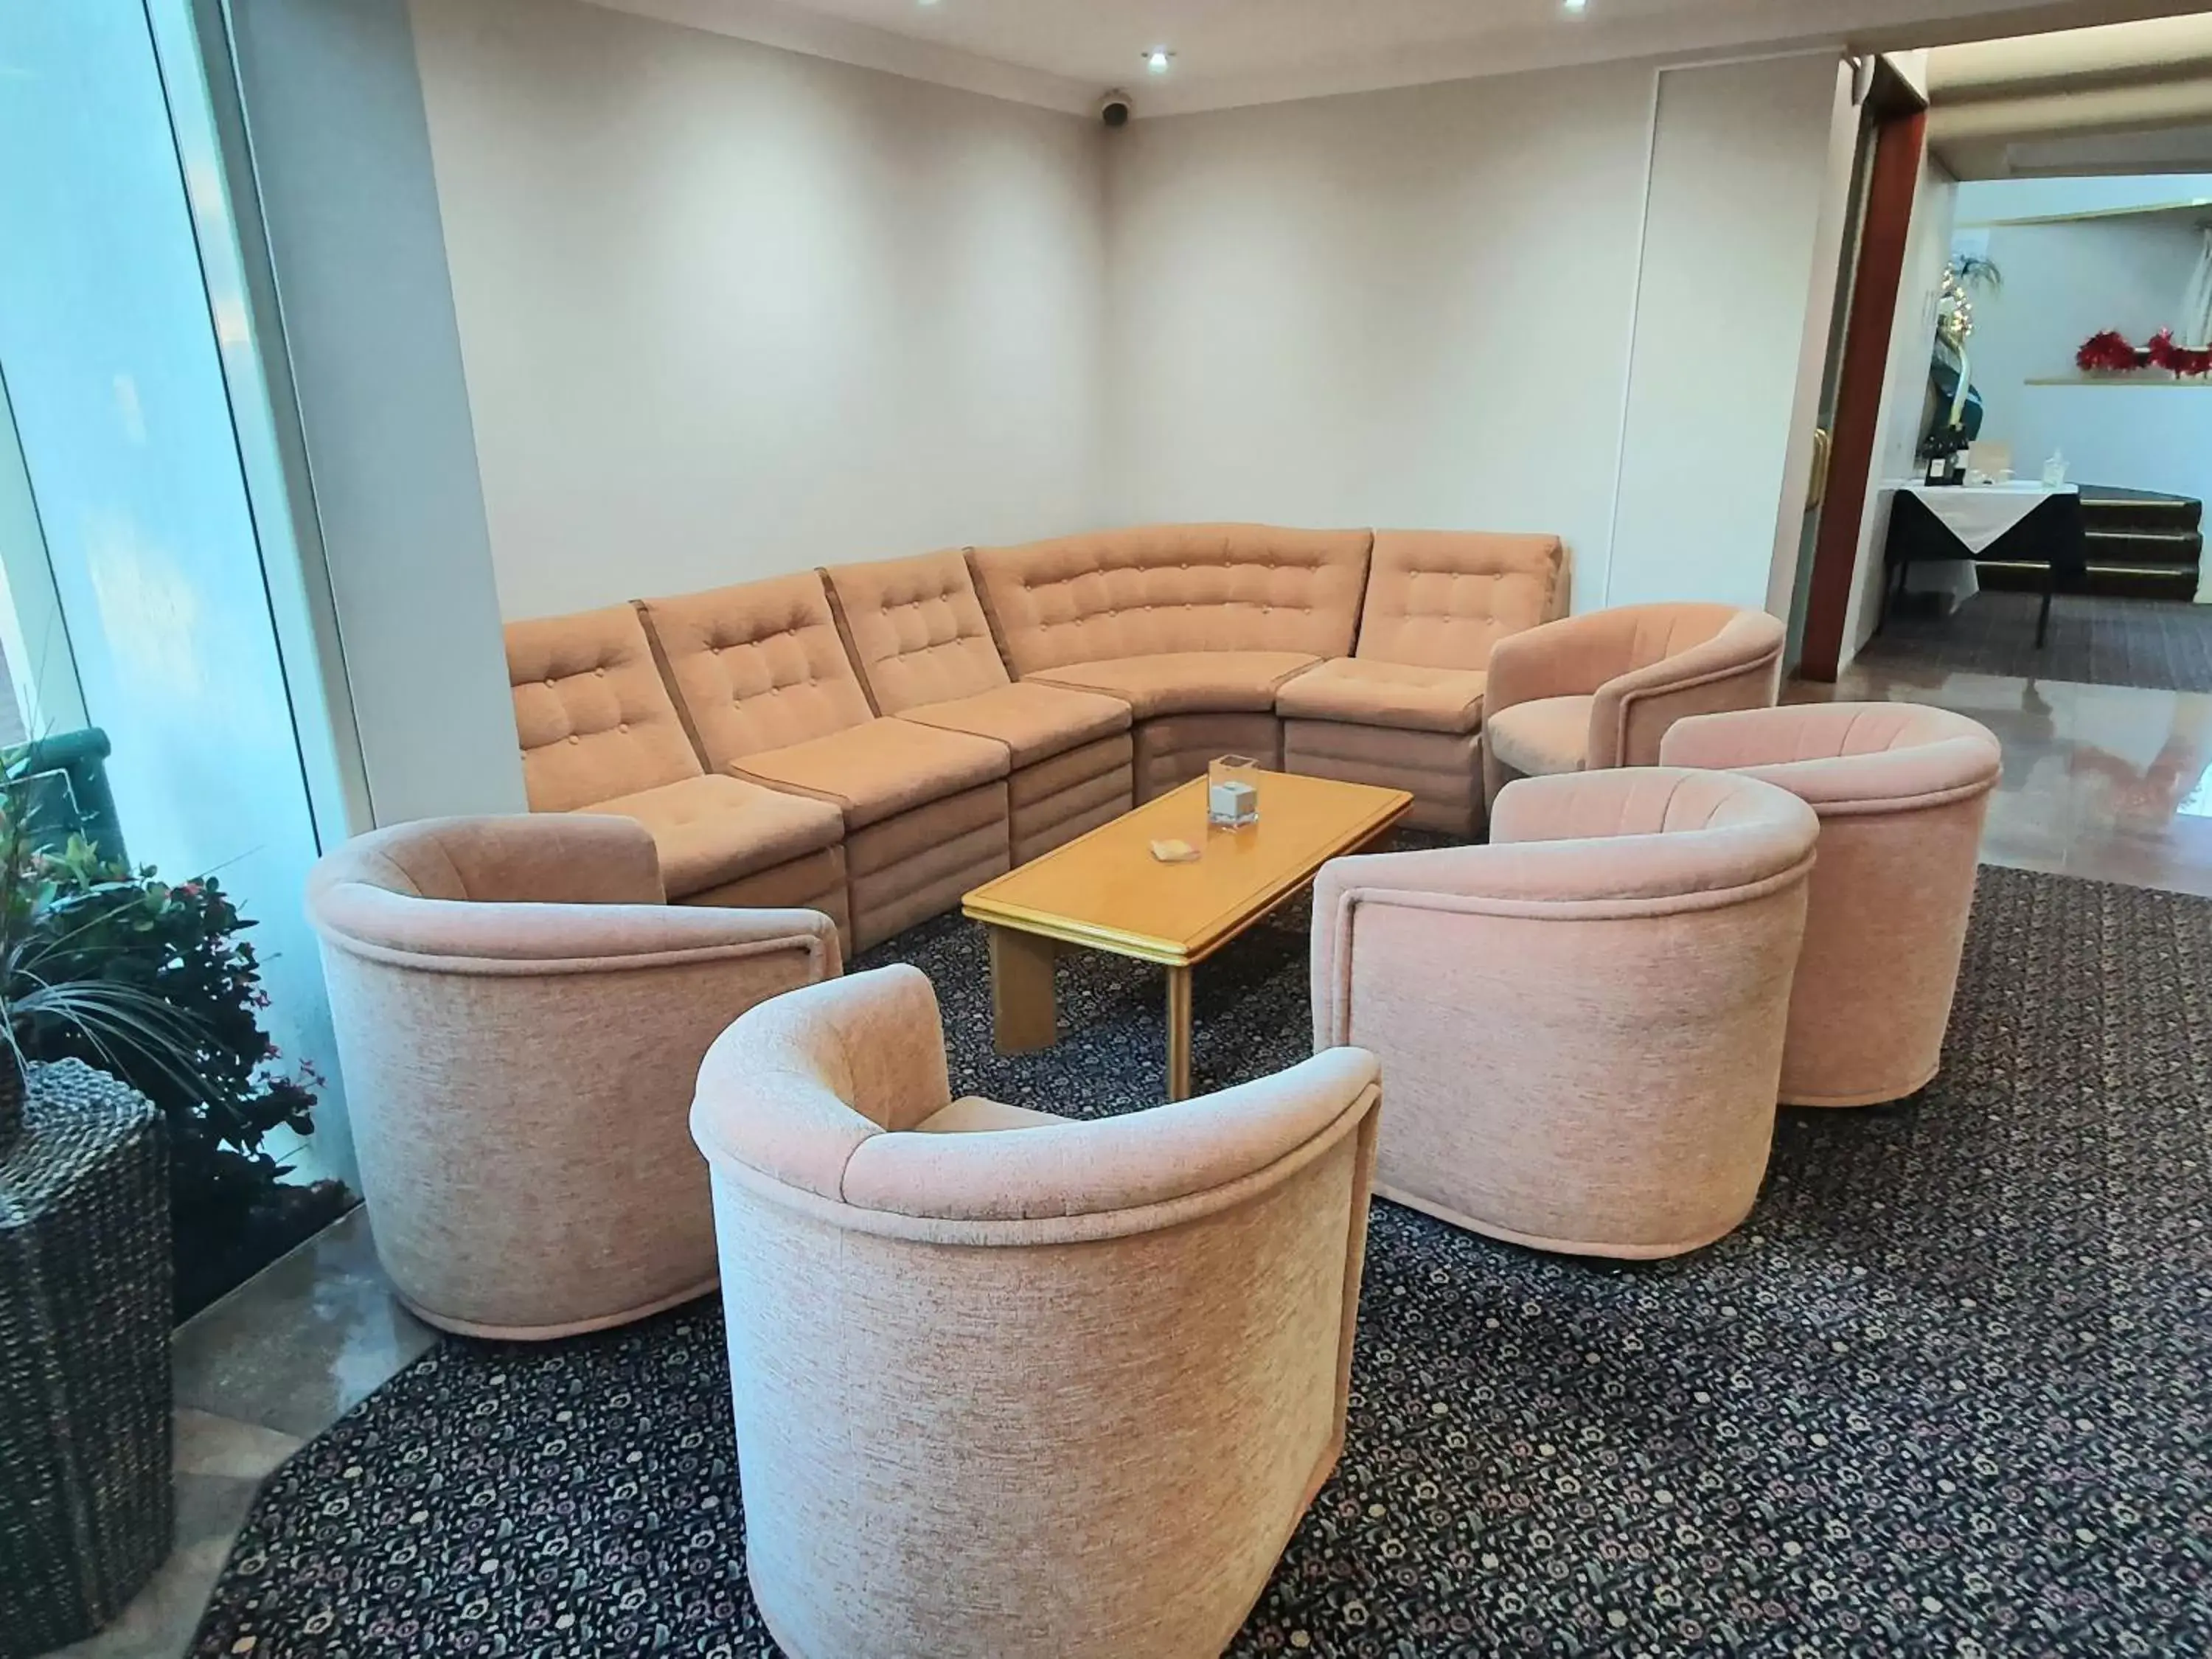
[[521, 1015], [1011, 1385], [1582, 1022], [1901, 791], [1598, 690]]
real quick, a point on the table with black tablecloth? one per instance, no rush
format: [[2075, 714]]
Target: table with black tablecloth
[[2028, 524]]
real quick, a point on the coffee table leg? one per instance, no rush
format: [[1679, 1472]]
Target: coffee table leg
[[1022, 1015], [1178, 1034]]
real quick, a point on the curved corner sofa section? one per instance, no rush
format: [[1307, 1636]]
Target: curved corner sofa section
[[872, 740]]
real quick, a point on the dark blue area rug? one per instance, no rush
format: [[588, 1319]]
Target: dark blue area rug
[[1946, 1392]]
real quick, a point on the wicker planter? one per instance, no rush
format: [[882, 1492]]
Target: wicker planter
[[86, 1513]]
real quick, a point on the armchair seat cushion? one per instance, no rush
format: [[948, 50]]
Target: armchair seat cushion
[[973, 1113], [1035, 721], [1366, 692], [878, 769], [710, 831], [1540, 739], [1185, 681]]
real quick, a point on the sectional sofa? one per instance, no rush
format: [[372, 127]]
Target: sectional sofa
[[872, 740]]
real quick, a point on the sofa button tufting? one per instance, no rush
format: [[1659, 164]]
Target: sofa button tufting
[[575, 737], [622, 726], [601, 672]]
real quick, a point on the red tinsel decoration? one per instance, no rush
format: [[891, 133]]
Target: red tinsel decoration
[[2178, 360], [2109, 349]]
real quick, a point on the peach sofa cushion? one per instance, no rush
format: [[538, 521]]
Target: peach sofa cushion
[[756, 666], [709, 831], [1539, 738], [1363, 692], [883, 767], [1441, 598], [1163, 588], [1185, 681], [1035, 721], [917, 630], [590, 710]]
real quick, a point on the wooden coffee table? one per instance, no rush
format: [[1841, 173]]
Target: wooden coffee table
[[1105, 891]]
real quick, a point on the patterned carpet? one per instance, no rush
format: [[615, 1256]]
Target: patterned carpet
[[1949, 1391], [2162, 644]]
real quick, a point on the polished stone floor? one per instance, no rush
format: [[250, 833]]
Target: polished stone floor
[[2105, 782]]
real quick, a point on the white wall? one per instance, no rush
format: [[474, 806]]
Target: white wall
[[1418, 307], [728, 311], [2063, 282], [1734, 258]]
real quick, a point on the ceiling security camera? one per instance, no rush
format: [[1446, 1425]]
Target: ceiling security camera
[[1114, 109]]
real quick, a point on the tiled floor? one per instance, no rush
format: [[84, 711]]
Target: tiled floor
[[2108, 783], [256, 1375], [2105, 782]]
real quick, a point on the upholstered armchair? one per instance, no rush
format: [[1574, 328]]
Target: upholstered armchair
[[520, 1019], [1901, 791], [1582, 1022], [1009, 1385], [1589, 692]]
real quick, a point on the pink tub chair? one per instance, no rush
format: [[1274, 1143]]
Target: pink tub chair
[[1598, 690], [1009, 1386], [1901, 791], [1581, 1023], [521, 1017]]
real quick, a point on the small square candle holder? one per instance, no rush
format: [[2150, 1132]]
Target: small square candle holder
[[1232, 792]]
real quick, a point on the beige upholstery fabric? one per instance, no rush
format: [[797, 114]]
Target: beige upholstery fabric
[[1536, 740], [1055, 800], [1581, 1024], [1034, 720], [1185, 681], [1901, 791], [1177, 748], [1170, 588], [917, 630], [910, 866], [816, 882], [592, 716], [756, 666], [520, 1019], [709, 831], [1642, 667], [1363, 692], [878, 768], [1054, 1392], [1439, 598], [1443, 772]]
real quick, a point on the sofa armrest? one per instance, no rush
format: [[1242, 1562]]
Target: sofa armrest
[[1739, 667], [1570, 658], [452, 936]]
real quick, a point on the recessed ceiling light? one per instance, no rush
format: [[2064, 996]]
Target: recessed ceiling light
[[1157, 60], [1566, 5]]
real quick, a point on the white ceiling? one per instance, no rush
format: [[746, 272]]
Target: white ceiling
[[1063, 53]]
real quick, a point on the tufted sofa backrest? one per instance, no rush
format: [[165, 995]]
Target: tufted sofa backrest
[[591, 712], [756, 666], [1174, 588], [1439, 598], [917, 630]]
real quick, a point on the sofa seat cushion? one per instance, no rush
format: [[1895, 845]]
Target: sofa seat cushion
[[878, 769], [1035, 721], [710, 831], [971, 1114], [1392, 694], [1542, 737], [1185, 681]]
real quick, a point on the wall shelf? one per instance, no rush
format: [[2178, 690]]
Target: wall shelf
[[2197, 383]]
